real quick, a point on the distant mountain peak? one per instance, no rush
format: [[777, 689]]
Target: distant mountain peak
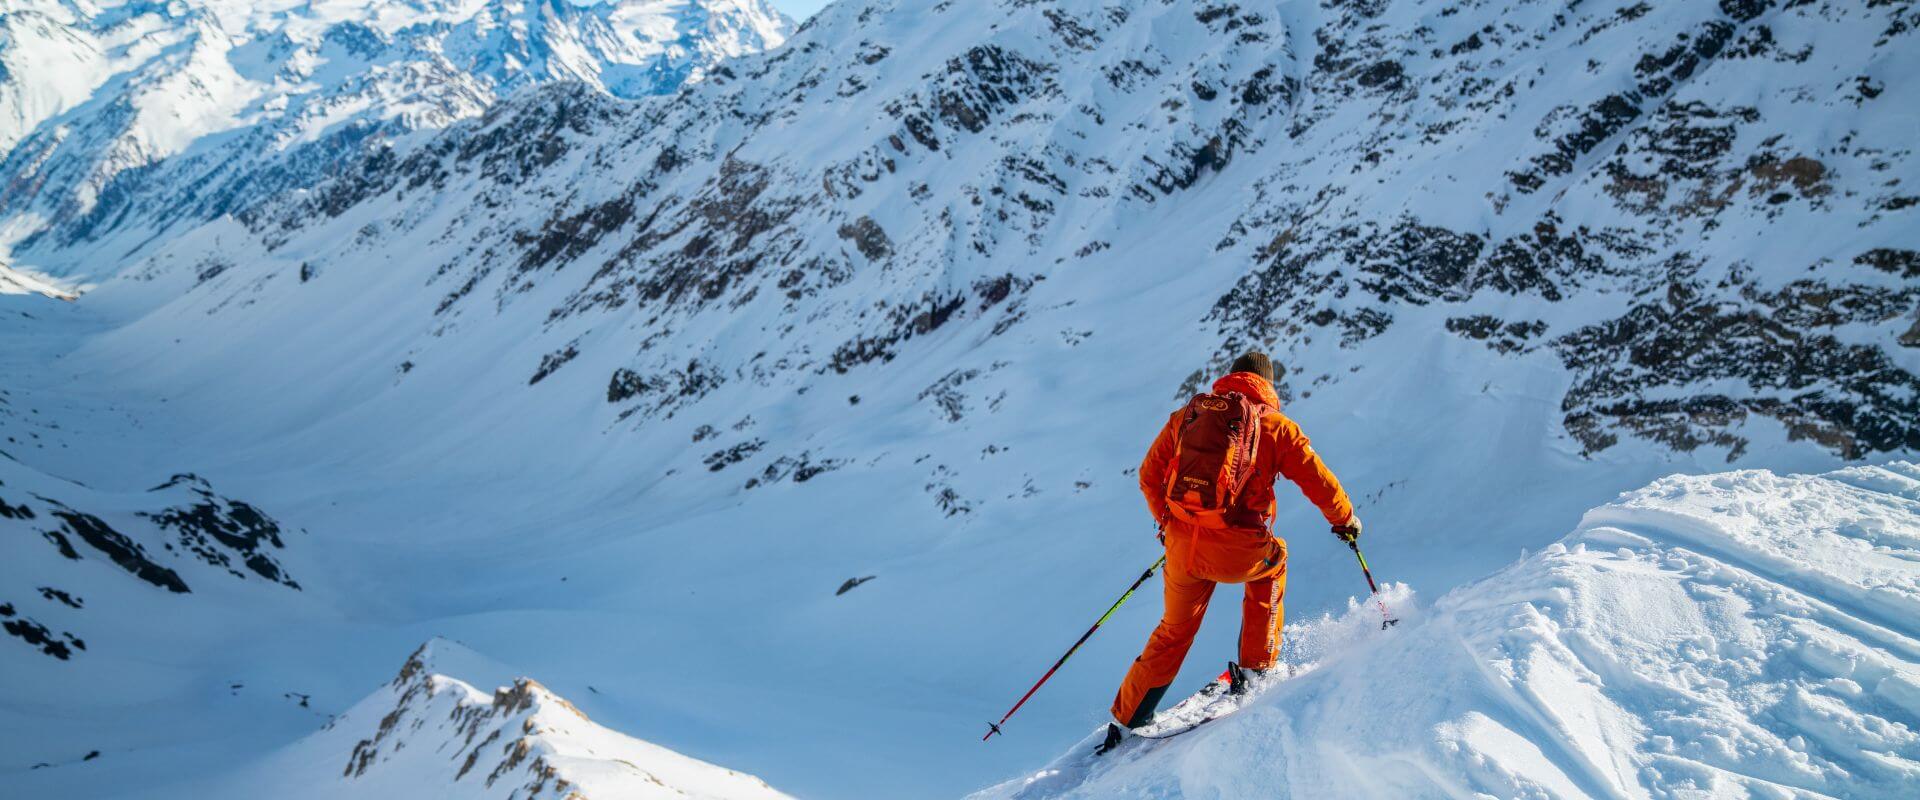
[[132, 119]]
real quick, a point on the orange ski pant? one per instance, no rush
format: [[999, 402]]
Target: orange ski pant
[[1197, 559]]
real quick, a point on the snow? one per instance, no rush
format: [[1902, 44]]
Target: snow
[[431, 734], [570, 378], [1743, 634], [172, 108], [15, 281]]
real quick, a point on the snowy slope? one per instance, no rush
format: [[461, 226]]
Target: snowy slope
[[13, 281], [1330, 183], [1743, 634], [428, 733], [622, 393], [122, 120]]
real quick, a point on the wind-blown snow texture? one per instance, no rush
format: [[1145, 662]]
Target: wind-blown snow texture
[[624, 393], [1735, 635]]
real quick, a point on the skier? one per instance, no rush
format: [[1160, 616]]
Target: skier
[[1208, 480]]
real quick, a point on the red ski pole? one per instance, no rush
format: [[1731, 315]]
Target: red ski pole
[[1386, 620], [994, 727]]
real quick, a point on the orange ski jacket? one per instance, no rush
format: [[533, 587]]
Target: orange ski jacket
[[1284, 451]]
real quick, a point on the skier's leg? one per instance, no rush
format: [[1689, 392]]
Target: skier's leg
[[1154, 670], [1262, 614]]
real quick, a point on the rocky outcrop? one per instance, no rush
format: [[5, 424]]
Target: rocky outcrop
[[427, 732]]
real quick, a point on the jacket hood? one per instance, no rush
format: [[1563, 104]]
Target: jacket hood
[[1248, 384]]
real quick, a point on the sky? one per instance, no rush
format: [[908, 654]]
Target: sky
[[799, 9]]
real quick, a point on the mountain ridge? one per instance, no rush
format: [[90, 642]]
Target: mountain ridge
[[196, 110]]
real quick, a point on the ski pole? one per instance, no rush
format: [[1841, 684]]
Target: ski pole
[[994, 727], [1386, 620]]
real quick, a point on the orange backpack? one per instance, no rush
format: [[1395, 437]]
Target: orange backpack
[[1213, 454]]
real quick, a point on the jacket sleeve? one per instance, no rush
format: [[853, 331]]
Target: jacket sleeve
[[1296, 460], [1154, 468]]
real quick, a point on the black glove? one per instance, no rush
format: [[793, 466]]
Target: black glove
[[1349, 532]]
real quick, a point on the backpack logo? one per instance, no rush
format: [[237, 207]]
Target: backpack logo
[[1214, 451]]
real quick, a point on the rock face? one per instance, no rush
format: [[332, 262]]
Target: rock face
[[167, 540], [1631, 192], [428, 733], [126, 120]]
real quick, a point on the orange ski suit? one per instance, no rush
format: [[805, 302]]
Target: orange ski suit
[[1198, 558]]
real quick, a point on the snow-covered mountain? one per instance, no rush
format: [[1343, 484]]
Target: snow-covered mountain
[[1628, 197], [431, 733], [790, 421], [121, 120]]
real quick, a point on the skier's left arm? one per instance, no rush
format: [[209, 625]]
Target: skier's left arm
[[1296, 460]]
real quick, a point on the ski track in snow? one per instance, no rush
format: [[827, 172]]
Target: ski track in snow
[[1743, 634]]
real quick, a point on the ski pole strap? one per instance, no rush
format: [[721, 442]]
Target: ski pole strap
[[994, 727]]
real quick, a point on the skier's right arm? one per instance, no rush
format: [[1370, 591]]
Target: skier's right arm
[[1153, 470]]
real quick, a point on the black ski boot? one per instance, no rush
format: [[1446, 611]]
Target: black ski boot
[[1236, 679], [1114, 737]]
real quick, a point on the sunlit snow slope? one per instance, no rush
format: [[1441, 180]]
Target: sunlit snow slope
[[121, 121], [1744, 634], [431, 732]]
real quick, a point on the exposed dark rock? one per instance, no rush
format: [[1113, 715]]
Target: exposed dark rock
[[868, 238], [801, 468], [61, 543], [1502, 337], [907, 321], [950, 502], [63, 598], [1904, 263], [220, 530], [553, 361], [667, 390], [37, 635], [984, 81], [116, 546], [721, 234], [210, 269], [946, 394], [14, 512], [561, 239], [1388, 75], [1070, 30], [721, 459], [1188, 164], [1848, 397], [1806, 176]]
